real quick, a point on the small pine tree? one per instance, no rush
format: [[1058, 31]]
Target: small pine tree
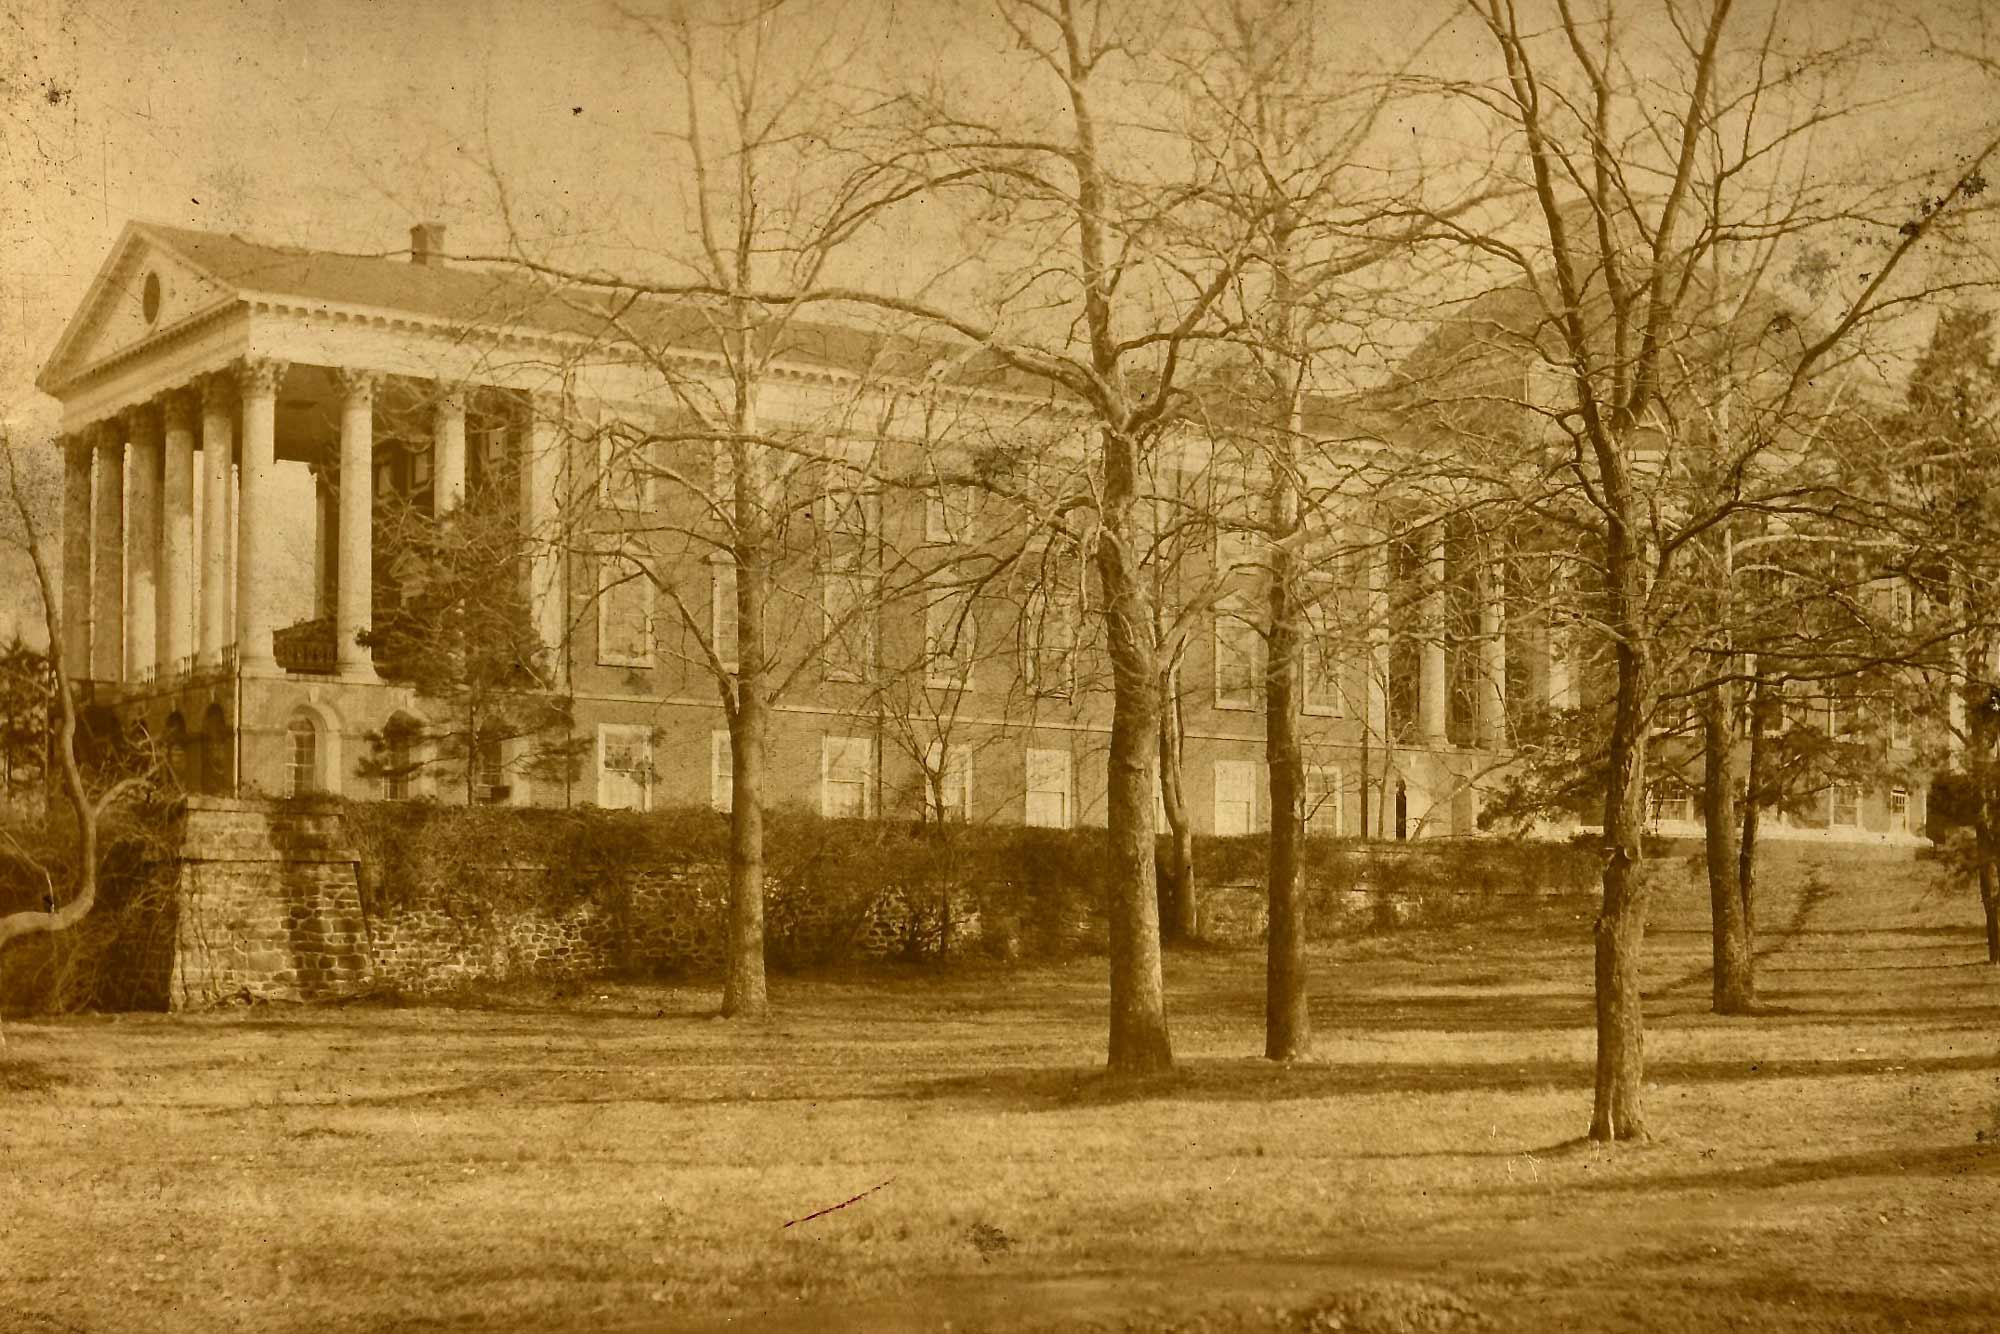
[[458, 629]]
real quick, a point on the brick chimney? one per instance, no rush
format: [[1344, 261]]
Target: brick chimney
[[427, 244]]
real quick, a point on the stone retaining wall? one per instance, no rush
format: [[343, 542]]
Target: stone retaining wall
[[272, 903], [268, 907]]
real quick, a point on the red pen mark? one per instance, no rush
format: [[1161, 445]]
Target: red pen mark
[[842, 1205]]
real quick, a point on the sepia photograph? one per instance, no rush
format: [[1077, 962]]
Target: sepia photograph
[[956, 666]]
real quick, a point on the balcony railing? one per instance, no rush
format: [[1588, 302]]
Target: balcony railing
[[183, 671], [306, 646]]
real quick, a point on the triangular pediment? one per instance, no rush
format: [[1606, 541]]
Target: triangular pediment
[[144, 290]]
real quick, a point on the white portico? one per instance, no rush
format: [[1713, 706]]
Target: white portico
[[202, 380]]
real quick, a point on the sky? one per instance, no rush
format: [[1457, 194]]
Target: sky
[[338, 123]]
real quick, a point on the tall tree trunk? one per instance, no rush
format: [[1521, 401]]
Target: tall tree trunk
[[1618, 1111], [743, 987], [1753, 819], [1734, 980], [1287, 1011], [1989, 899], [1180, 921], [1287, 1015], [1139, 1043], [1986, 847]]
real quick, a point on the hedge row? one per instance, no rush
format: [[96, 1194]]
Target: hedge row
[[1034, 892]]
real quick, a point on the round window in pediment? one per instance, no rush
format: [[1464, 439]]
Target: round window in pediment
[[149, 298]]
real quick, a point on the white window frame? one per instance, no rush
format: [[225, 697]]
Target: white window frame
[[489, 780], [948, 515], [844, 485], [1227, 615], [1045, 762], [722, 608], [722, 481], [612, 463], [951, 638], [313, 771], [831, 746], [721, 771], [1833, 818], [644, 777], [1323, 799], [607, 583], [1243, 774], [1237, 549], [840, 625], [1899, 810], [1039, 610], [1316, 655], [954, 781]]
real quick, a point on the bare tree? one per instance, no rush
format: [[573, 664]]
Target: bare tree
[[1292, 139], [1636, 200], [61, 911], [750, 518]]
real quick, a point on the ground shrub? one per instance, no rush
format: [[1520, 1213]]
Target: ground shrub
[[837, 890], [118, 957]]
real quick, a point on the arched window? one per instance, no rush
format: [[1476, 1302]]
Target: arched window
[[179, 775], [215, 751], [302, 757], [399, 757]]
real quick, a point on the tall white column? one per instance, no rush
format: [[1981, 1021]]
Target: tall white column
[[544, 515], [256, 521], [76, 556], [1493, 650], [323, 540], [1378, 643], [107, 575], [218, 449], [1434, 684], [175, 635], [1564, 688], [448, 451], [142, 542], [353, 609]]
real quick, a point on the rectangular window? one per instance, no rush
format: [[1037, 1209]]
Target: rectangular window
[[1235, 796], [624, 468], [489, 774], [1319, 686], [948, 514], [948, 637], [1237, 549], [1236, 674], [1670, 799], [625, 767], [722, 607], [624, 615], [848, 601], [1899, 810], [846, 777], [722, 482], [721, 771], [1322, 801], [848, 515], [1048, 786], [948, 783], [1048, 641], [398, 763], [1847, 805]]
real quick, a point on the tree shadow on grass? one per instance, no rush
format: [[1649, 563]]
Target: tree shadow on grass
[[21, 1074], [1976, 1159], [1045, 1089]]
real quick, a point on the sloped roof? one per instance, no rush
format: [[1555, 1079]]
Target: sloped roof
[[481, 297]]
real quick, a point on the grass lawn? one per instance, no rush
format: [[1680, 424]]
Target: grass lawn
[[617, 1159]]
